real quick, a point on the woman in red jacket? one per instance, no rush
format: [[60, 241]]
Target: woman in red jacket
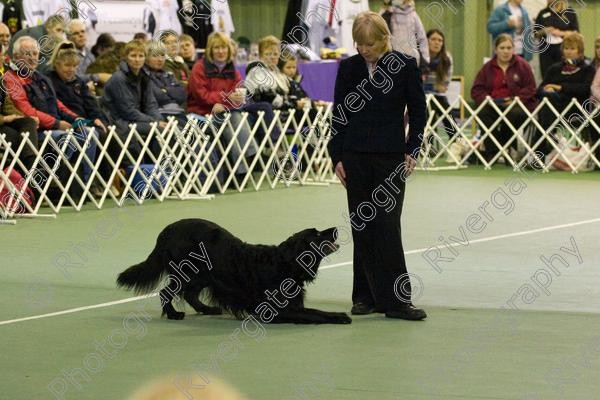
[[505, 77], [215, 88]]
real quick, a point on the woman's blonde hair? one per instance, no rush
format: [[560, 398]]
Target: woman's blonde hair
[[371, 27], [215, 39], [573, 39], [207, 388], [134, 45], [266, 43], [65, 52]]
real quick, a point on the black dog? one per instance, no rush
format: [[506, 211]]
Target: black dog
[[241, 278]]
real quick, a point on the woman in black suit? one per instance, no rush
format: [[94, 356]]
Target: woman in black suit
[[373, 157]]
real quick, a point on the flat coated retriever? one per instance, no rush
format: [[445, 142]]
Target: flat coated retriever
[[240, 278]]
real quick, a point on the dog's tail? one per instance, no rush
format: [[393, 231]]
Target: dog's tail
[[144, 277]]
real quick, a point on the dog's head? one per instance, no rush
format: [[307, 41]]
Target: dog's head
[[307, 248]]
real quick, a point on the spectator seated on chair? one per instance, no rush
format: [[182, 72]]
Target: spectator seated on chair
[[76, 33], [106, 63], [566, 80], [594, 107], [174, 62], [13, 123], [297, 97], [551, 26], [212, 90], [264, 80], [505, 77], [129, 97], [74, 93], [105, 43], [170, 94], [48, 36], [436, 79], [187, 50], [33, 95]]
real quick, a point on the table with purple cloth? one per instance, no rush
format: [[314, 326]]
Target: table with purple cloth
[[318, 78]]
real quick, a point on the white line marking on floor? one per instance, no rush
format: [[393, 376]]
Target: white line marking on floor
[[74, 310], [130, 299]]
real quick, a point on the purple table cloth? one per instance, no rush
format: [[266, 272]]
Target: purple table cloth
[[318, 78]]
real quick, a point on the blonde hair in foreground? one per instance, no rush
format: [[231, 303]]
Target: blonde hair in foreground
[[181, 387]]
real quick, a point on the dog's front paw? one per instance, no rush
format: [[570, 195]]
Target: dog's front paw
[[341, 318], [177, 315]]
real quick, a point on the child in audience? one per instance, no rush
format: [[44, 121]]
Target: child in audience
[[296, 94]]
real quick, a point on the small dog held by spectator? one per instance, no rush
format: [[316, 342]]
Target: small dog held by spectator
[[240, 278]]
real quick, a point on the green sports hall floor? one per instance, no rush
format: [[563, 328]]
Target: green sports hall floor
[[466, 349]]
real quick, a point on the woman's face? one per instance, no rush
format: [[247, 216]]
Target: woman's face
[[220, 52], [505, 51], [370, 51], [135, 60], [187, 50], [171, 44], [571, 53], [156, 61], [66, 70], [290, 68], [436, 41], [271, 56]]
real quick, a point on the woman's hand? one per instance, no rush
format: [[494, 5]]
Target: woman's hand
[[551, 87], [410, 163], [99, 124], [340, 172], [10, 118], [440, 87], [162, 124], [300, 104], [64, 125], [237, 99], [218, 108]]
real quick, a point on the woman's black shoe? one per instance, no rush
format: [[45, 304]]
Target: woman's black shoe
[[408, 312], [362, 309]]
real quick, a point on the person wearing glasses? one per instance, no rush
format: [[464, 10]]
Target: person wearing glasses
[[264, 80], [76, 33], [34, 95]]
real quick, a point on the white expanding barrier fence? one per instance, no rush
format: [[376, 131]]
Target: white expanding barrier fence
[[569, 136], [208, 157], [204, 158]]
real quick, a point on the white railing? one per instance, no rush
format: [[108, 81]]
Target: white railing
[[175, 163], [208, 157], [572, 125]]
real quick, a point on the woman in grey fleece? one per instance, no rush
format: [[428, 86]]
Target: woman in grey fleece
[[408, 33]]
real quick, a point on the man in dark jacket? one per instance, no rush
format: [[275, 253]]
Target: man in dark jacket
[[33, 95]]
